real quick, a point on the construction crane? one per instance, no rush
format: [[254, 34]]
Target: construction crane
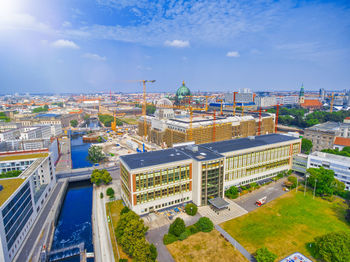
[[220, 100], [260, 119], [332, 102], [214, 125], [276, 120], [144, 103]]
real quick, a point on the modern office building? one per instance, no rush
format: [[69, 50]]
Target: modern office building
[[22, 198], [339, 164], [189, 172], [300, 163]]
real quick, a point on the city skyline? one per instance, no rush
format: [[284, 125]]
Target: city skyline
[[75, 47]]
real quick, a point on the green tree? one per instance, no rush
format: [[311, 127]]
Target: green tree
[[95, 154], [100, 176], [264, 255], [123, 223], [134, 231], [110, 192], [293, 180], [86, 117], [232, 192], [40, 109], [306, 146], [177, 227], [333, 247], [325, 180], [204, 224], [74, 123], [142, 251], [101, 195], [124, 210], [191, 209], [154, 252]]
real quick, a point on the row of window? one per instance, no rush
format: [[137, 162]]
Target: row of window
[[259, 157], [170, 203], [236, 174], [161, 193]]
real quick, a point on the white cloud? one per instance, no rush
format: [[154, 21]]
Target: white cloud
[[233, 54], [177, 43], [95, 57], [18, 21], [66, 24], [62, 43]]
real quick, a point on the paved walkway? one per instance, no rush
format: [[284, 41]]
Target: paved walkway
[[232, 212], [65, 161], [235, 244]]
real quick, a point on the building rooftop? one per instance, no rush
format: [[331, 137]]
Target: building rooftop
[[342, 141], [329, 156], [329, 126], [48, 115], [245, 143], [22, 156], [9, 187], [204, 152], [141, 160]]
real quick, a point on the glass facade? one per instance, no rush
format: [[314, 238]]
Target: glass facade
[[212, 180], [16, 214]]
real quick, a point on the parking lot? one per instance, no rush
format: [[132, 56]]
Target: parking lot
[[271, 191]]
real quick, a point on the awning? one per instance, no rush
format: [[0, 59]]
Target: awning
[[219, 203]]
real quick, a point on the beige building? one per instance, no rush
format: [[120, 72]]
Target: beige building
[[168, 127]]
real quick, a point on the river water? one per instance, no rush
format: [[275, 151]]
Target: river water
[[74, 223]]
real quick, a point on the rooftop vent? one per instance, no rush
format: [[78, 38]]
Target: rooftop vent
[[251, 137], [192, 148]]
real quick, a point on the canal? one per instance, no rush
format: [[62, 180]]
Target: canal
[[74, 224]]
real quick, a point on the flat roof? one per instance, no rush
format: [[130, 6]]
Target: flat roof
[[9, 187], [219, 203], [329, 156], [199, 153], [245, 143], [152, 158], [23, 156]]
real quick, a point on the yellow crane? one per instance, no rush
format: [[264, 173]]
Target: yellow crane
[[144, 102]]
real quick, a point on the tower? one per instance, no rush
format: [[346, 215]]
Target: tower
[[301, 95]]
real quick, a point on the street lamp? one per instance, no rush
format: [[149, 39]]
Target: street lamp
[[306, 176], [314, 189]]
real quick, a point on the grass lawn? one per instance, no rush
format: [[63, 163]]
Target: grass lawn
[[205, 247], [115, 207], [288, 223], [129, 120]]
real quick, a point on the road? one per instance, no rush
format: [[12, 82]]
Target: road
[[23, 255], [272, 191], [65, 161], [101, 231]]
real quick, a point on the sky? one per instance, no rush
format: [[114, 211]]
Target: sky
[[81, 46]]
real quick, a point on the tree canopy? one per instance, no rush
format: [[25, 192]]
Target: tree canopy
[[177, 227], [232, 192], [344, 152], [264, 255], [101, 176], [306, 146], [325, 182], [333, 247], [74, 123]]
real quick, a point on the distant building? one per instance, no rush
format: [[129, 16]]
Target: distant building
[[311, 104], [287, 100], [22, 198], [341, 142], [265, 101], [182, 94], [323, 135], [200, 173], [301, 95], [322, 94], [339, 164]]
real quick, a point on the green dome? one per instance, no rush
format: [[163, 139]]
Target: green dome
[[182, 92]]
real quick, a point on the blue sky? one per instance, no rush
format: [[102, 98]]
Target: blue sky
[[95, 45]]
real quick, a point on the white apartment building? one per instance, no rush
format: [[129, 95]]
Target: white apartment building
[[21, 199], [339, 164]]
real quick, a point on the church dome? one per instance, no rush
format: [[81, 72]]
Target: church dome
[[182, 92], [164, 102]]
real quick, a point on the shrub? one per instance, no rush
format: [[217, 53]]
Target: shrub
[[347, 216], [280, 175], [254, 185], [177, 227], [184, 235], [191, 209], [264, 255], [110, 192], [193, 229], [154, 252], [333, 247], [124, 210], [293, 181], [232, 192], [169, 238], [101, 195], [123, 260], [204, 224]]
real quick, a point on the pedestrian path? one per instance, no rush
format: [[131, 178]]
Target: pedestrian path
[[235, 244], [233, 211]]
